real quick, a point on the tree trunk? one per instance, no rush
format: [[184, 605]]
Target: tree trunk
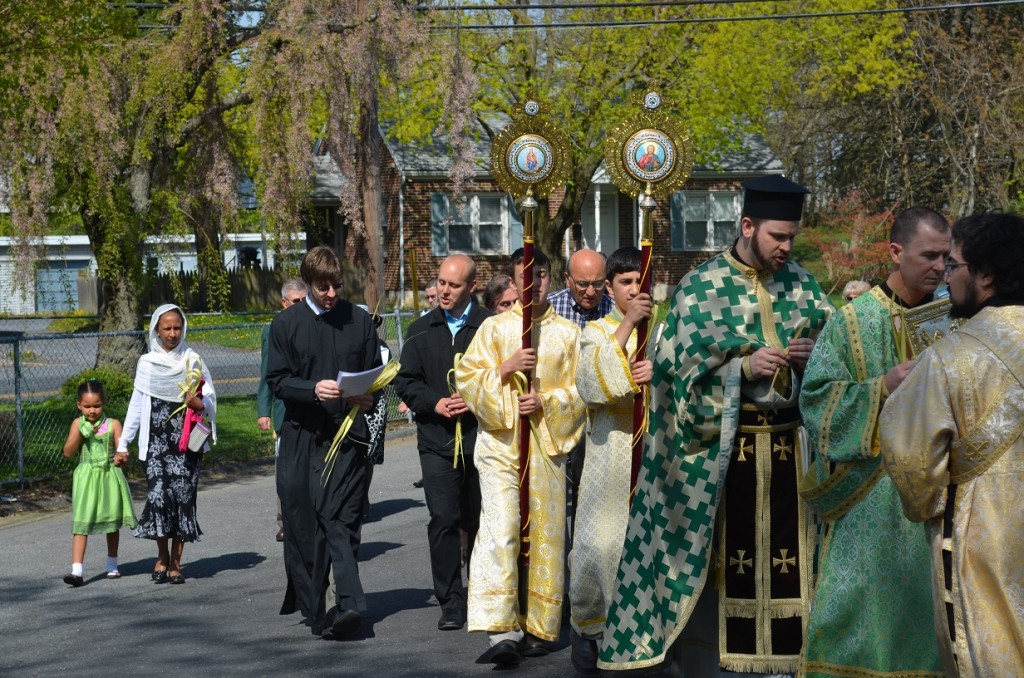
[[213, 285], [369, 143], [120, 267], [368, 163], [551, 232], [120, 312]]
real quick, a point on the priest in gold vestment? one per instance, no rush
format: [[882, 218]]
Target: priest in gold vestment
[[951, 442], [485, 378]]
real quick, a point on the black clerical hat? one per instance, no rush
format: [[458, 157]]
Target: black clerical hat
[[773, 197]]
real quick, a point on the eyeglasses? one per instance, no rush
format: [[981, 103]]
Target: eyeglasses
[[324, 289], [296, 300], [850, 297], [953, 265], [582, 285]]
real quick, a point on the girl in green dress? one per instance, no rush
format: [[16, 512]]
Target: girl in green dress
[[100, 500]]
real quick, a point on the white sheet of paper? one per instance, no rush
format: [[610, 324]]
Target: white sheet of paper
[[357, 383]]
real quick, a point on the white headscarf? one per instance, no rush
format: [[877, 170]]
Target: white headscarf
[[160, 373]]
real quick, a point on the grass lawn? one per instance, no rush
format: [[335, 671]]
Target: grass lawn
[[246, 338], [240, 330], [46, 426]]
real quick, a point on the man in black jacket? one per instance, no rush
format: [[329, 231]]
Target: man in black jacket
[[450, 483]]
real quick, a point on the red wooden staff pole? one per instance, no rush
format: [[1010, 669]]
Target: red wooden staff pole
[[647, 206], [528, 207]]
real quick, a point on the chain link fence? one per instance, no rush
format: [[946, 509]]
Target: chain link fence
[[35, 413]]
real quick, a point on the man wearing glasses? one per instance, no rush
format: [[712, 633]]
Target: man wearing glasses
[[430, 292], [870, 615], [951, 442], [322, 501], [583, 299], [270, 410]]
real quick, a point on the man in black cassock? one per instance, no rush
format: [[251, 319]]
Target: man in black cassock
[[321, 502]]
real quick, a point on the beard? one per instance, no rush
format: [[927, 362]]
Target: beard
[[966, 307], [766, 263]]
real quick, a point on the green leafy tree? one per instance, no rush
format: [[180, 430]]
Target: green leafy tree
[[722, 78], [129, 140], [948, 136], [317, 74]]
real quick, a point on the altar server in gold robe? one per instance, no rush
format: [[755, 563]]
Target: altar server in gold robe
[[486, 378], [951, 442]]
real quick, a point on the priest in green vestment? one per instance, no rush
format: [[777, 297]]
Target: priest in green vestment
[[717, 550], [871, 614]]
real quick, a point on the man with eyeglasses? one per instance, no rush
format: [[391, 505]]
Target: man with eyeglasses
[[855, 288], [951, 442], [270, 410], [430, 292], [583, 299], [322, 502], [870, 616]]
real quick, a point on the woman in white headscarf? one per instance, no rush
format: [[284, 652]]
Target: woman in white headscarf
[[162, 414]]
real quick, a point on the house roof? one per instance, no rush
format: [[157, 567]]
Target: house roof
[[754, 156], [432, 157], [328, 181]]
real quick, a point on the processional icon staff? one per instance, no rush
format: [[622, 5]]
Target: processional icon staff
[[529, 159], [649, 155]]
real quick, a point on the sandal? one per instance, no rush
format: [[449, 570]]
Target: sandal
[[113, 574]]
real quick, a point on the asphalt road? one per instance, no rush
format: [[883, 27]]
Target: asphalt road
[[224, 620]]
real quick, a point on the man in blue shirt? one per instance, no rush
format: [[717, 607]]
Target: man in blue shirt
[[451, 485]]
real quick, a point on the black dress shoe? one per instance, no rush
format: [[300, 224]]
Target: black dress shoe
[[418, 483], [280, 535], [452, 618], [176, 579], [160, 576], [340, 623], [584, 654], [506, 652], [532, 646]]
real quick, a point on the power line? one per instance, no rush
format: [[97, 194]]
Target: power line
[[730, 19], [579, 5]]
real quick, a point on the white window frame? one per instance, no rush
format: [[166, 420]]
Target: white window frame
[[712, 239], [474, 219]]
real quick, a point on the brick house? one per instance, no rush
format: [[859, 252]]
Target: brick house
[[694, 224]]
